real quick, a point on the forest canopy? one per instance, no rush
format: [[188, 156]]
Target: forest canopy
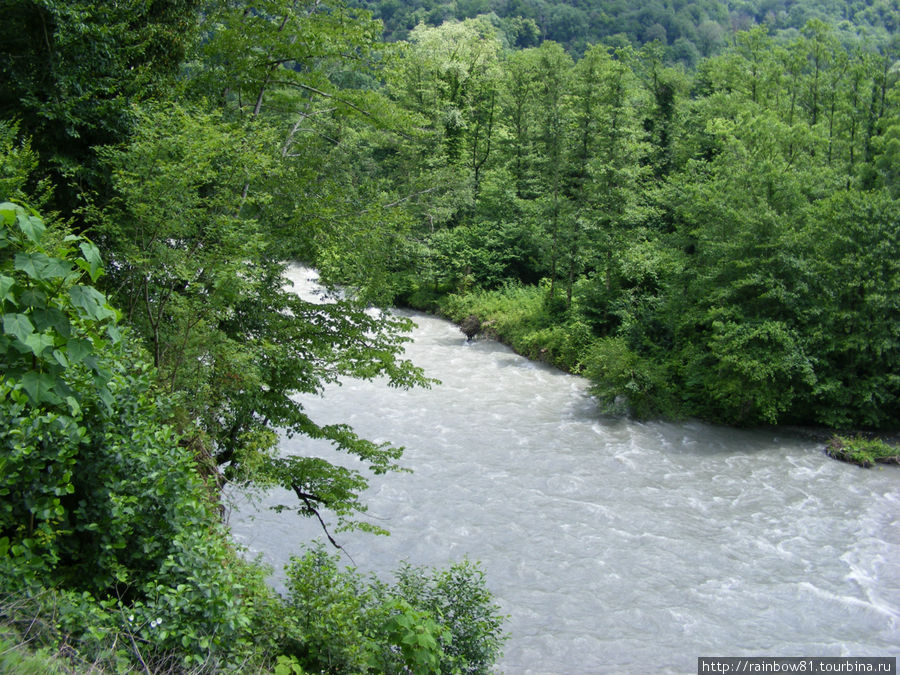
[[718, 243], [689, 30]]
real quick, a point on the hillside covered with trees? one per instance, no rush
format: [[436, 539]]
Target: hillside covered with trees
[[719, 243], [715, 236], [688, 30]]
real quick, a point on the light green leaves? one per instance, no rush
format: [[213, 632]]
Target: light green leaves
[[91, 262], [32, 226], [91, 303], [8, 212], [29, 224], [38, 342], [6, 284]]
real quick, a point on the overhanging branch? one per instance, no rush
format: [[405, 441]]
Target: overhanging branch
[[308, 500]]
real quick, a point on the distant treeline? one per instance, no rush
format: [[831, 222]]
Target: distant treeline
[[689, 29]]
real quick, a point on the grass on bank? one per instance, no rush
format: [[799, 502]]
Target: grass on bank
[[17, 657], [522, 317], [540, 327], [865, 452]]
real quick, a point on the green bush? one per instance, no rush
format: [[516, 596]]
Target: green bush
[[439, 621], [100, 500], [624, 381], [459, 599]]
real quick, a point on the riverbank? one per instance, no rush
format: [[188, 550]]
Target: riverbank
[[521, 318]]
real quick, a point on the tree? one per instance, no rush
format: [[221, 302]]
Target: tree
[[822, 50], [746, 303], [101, 501], [663, 122], [306, 75], [69, 71], [887, 159], [520, 116], [203, 284], [107, 525], [112, 455], [553, 72], [450, 76], [210, 304], [852, 238], [608, 161]]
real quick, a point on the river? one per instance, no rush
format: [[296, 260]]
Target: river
[[614, 546]]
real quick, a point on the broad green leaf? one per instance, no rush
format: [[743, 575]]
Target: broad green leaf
[[78, 349], [42, 267], [18, 325], [6, 284], [40, 388], [58, 269], [32, 226], [52, 318], [32, 264], [33, 297], [92, 259], [91, 302], [38, 342]]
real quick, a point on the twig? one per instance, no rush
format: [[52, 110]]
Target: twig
[[125, 623], [307, 501]]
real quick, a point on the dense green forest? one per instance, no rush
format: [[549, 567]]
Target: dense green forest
[[689, 30], [156, 168], [718, 241]]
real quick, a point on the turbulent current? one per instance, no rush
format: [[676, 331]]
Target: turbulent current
[[613, 546]]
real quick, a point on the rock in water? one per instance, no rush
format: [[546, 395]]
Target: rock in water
[[470, 326]]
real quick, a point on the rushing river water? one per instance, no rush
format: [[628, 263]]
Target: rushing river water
[[614, 546]]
